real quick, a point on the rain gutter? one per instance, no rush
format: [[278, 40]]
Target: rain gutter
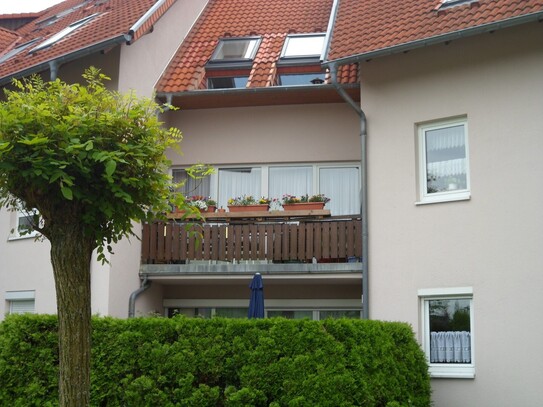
[[145, 284], [439, 39], [143, 19], [55, 63]]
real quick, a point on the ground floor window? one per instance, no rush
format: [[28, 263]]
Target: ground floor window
[[20, 302], [447, 331], [241, 312]]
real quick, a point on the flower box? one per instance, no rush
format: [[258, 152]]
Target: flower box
[[248, 208], [303, 206]]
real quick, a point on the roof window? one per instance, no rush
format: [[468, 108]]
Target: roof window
[[227, 82], [445, 4], [235, 50], [292, 79], [17, 50], [61, 34], [303, 46]]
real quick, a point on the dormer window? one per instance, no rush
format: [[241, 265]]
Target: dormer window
[[235, 50], [61, 34], [303, 46]]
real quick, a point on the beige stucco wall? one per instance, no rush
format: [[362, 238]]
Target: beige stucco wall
[[267, 134], [491, 242]]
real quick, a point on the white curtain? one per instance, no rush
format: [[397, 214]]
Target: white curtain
[[295, 181], [450, 347], [447, 168], [341, 185], [444, 138], [191, 186], [234, 182]]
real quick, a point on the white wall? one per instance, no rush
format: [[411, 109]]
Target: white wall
[[491, 242]]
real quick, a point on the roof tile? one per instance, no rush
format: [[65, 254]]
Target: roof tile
[[362, 27], [115, 19]]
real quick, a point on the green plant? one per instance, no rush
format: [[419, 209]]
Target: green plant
[[291, 199], [248, 200]]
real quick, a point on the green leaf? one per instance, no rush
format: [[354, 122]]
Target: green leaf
[[110, 167], [34, 141], [67, 193]]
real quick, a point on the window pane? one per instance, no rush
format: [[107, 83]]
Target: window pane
[[26, 222], [446, 168], [236, 49], [291, 314], [191, 186], [304, 46], [302, 79], [353, 314], [232, 312], [234, 182], [341, 185], [228, 83], [296, 181], [450, 330], [190, 312]]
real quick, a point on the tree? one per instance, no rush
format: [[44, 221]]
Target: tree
[[91, 161]]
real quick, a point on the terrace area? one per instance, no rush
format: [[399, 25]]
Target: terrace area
[[233, 243]]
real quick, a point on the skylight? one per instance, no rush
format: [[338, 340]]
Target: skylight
[[237, 49], [16, 50], [61, 34], [303, 46]]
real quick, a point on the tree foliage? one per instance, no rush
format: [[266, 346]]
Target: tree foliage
[[86, 152]]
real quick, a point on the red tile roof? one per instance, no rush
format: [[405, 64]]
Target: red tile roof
[[7, 38], [271, 20], [374, 26], [111, 26]]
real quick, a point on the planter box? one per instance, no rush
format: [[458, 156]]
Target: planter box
[[303, 206], [211, 209], [248, 208]]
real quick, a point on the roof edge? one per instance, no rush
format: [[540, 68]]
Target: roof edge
[[330, 30], [467, 32], [45, 65]]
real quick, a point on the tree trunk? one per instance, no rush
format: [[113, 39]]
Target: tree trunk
[[71, 254]]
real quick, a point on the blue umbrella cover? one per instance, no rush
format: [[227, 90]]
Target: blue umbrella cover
[[256, 303]]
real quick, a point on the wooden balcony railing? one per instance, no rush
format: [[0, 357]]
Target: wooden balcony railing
[[327, 240]]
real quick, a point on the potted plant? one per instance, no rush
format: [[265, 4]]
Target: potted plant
[[202, 203], [304, 202], [248, 203]]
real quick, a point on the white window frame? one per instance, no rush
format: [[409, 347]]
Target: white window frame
[[15, 298], [250, 53], [446, 370], [442, 196], [286, 54], [20, 214]]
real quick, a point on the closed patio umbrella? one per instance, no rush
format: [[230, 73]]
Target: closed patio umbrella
[[256, 303]]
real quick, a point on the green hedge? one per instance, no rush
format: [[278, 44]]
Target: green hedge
[[222, 362]]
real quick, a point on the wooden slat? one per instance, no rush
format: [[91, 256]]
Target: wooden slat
[[317, 239], [285, 242], [190, 249], [293, 238], [206, 242], [168, 237], [237, 242], [300, 255], [310, 240], [176, 242], [222, 242], [261, 230], [277, 242], [183, 241], [333, 231], [358, 239], [342, 237], [350, 239], [254, 242], [230, 247], [246, 241], [269, 242], [160, 242], [145, 240]]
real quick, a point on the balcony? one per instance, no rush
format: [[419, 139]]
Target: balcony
[[270, 243]]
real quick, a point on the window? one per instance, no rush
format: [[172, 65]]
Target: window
[[443, 161], [227, 82], [20, 302], [301, 79], [341, 183], [61, 34], [191, 186], [303, 46], [24, 224], [236, 49], [16, 50], [447, 331]]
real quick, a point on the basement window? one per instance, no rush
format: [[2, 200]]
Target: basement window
[[61, 34]]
